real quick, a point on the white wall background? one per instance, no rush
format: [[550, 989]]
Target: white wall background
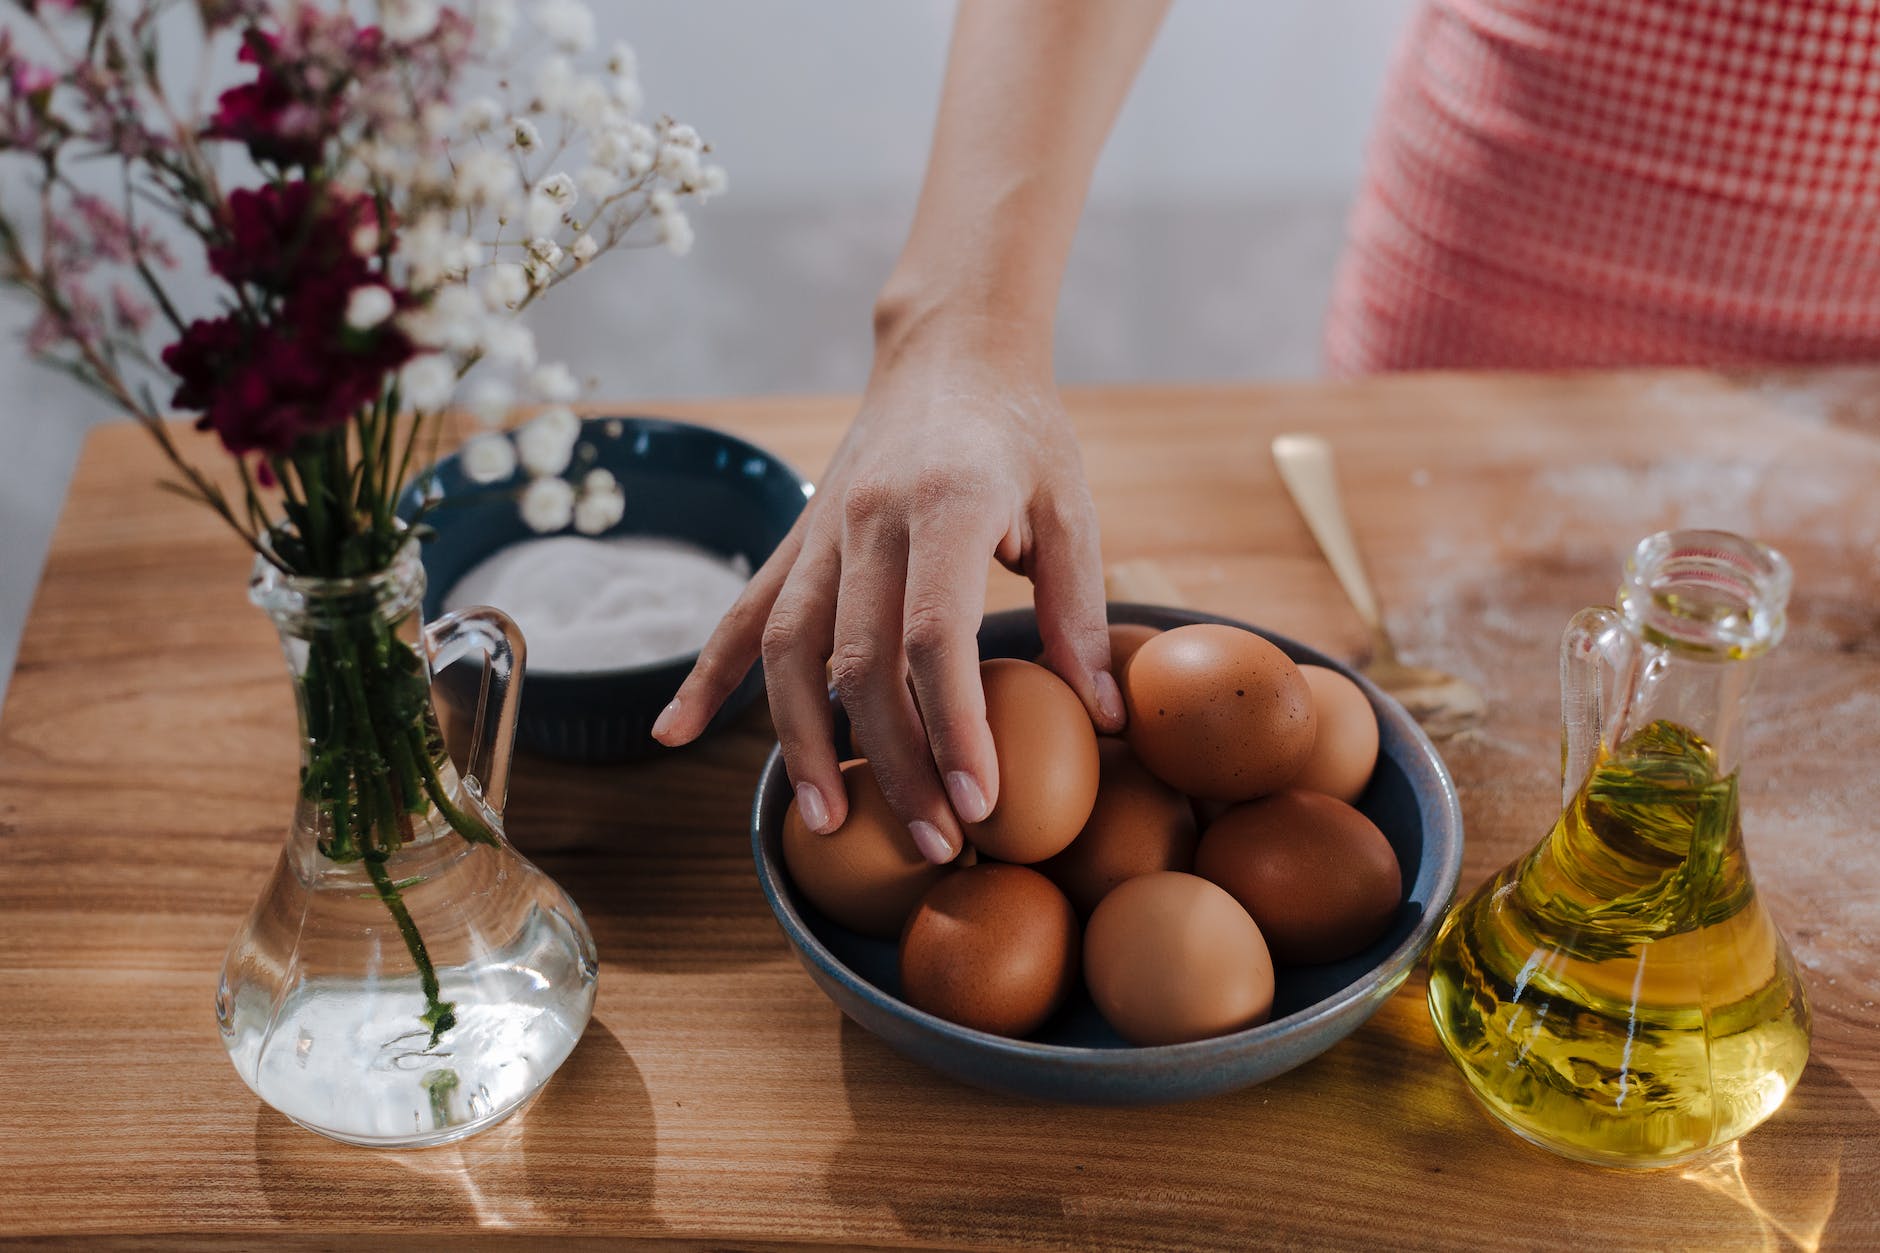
[[1206, 253]]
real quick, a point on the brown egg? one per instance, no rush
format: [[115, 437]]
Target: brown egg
[[1170, 957], [1140, 825], [1047, 752], [1125, 639], [992, 947], [1317, 875], [1217, 712], [1345, 750], [866, 875]]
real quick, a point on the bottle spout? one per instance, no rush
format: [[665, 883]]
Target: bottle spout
[[1707, 594]]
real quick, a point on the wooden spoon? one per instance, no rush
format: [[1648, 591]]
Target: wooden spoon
[[1443, 703]]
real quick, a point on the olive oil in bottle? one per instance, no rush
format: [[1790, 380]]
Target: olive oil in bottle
[[1620, 994]]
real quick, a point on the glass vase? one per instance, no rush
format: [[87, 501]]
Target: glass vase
[[406, 977]]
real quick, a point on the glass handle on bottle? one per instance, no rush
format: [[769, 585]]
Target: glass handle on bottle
[[496, 637], [1596, 640]]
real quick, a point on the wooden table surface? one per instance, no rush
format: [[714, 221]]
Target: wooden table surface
[[147, 766]]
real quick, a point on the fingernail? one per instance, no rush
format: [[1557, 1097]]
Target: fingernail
[[969, 799], [663, 723], [815, 811], [1109, 698], [932, 845]]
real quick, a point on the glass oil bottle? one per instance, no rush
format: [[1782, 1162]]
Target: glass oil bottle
[[1620, 994]]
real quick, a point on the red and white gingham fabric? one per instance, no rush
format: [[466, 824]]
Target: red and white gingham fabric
[[1564, 183]]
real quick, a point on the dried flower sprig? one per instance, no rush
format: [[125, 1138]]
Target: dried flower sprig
[[392, 235]]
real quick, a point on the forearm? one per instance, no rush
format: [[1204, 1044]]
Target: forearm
[[1032, 88]]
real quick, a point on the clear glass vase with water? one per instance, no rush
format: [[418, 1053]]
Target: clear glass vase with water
[[406, 977]]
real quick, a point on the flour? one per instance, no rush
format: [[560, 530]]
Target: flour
[[589, 604]]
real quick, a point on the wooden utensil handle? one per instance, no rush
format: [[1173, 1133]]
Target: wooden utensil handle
[[1305, 467]]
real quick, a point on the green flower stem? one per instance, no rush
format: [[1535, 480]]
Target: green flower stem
[[374, 765], [439, 1015]]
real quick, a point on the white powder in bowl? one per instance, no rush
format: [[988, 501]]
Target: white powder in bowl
[[605, 604]]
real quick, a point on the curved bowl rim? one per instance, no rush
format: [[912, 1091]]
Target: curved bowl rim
[[1388, 974], [678, 661]]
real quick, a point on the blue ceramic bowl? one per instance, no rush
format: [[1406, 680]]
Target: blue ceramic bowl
[[1079, 1058], [681, 482]]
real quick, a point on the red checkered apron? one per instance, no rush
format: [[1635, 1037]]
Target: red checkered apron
[[1562, 183]]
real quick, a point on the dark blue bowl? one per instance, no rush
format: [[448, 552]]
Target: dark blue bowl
[[1079, 1058], [681, 482]]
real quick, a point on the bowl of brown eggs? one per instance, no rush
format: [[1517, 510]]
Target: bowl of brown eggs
[[1214, 897]]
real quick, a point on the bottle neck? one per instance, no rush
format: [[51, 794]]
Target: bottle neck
[[1702, 608], [1708, 697]]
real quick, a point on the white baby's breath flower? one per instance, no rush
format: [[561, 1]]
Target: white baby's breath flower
[[432, 251], [544, 214], [366, 238], [487, 178], [627, 93], [569, 24], [367, 307], [680, 164], [675, 231], [480, 116], [453, 320], [435, 123], [622, 61], [712, 181], [609, 149], [597, 183], [559, 188], [661, 201], [508, 342], [679, 135], [599, 508], [523, 136], [495, 22], [489, 458], [545, 250], [584, 250], [405, 20], [639, 161], [641, 136], [554, 382], [555, 81], [592, 105], [426, 382], [546, 442], [505, 286], [548, 505], [489, 401]]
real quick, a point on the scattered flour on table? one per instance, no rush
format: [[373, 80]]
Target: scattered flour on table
[[605, 604]]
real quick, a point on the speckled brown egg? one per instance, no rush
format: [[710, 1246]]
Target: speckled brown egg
[[1218, 712], [1140, 825], [1047, 752], [866, 875], [1317, 875], [1344, 752], [1170, 957], [993, 947]]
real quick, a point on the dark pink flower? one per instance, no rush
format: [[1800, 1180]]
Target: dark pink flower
[[283, 236], [283, 387]]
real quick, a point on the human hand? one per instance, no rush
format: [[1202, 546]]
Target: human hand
[[951, 460]]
